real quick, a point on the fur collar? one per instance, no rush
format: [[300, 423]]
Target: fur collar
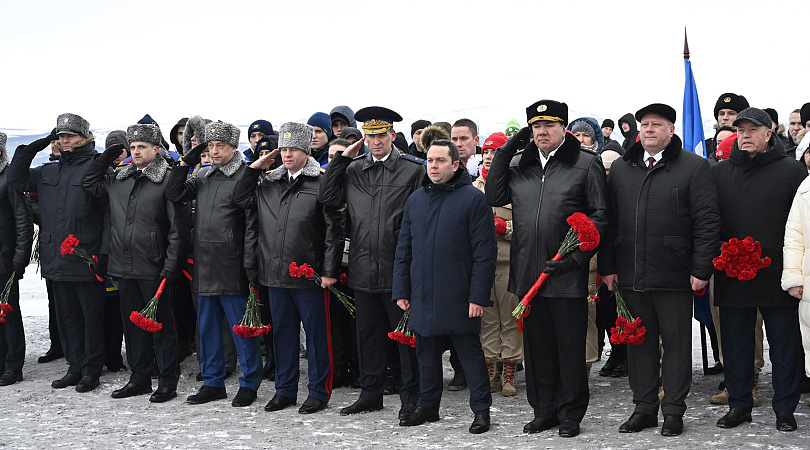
[[636, 151], [3, 160], [566, 154], [229, 168], [311, 169], [155, 171]]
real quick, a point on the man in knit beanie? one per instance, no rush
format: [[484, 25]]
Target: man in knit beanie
[[321, 135]]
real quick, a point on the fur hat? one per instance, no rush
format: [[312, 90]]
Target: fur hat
[[221, 131], [433, 133], [731, 101], [322, 120], [444, 126], [3, 139], [262, 126], [547, 110], [68, 123], [774, 115], [194, 125], [116, 137], [296, 135], [144, 133], [754, 115]]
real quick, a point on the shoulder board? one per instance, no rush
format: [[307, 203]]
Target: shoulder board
[[359, 157], [323, 170], [588, 150], [50, 162], [411, 158]]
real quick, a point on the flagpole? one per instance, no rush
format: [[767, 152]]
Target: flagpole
[[685, 45]]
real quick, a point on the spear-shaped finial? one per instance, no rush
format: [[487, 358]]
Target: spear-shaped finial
[[685, 45]]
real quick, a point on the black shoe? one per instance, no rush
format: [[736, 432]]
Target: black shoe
[[480, 422], [406, 410], [638, 422], [362, 405], [184, 350], [569, 428], [9, 377], [805, 384], [87, 384], [269, 370], [163, 394], [51, 355], [228, 373], [244, 397], [131, 390], [620, 370], [341, 378], [354, 379], [116, 367], [609, 367], [673, 425], [785, 421], [419, 416], [540, 424], [458, 383], [65, 381], [207, 394], [278, 402], [390, 386], [311, 405], [199, 376], [716, 369], [734, 417]]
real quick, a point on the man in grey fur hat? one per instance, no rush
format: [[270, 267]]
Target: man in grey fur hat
[[222, 268], [141, 213]]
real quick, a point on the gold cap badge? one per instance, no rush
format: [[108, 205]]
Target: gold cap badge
[[287, 135], [542, 108], [727, 99]]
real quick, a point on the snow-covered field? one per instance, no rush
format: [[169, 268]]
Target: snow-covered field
[[33, 415]]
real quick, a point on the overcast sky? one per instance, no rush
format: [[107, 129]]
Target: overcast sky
[[235, 60]]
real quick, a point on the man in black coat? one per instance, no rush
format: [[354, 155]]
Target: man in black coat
[[659, 247], [222, 268], [755, 189], [447, 233], [294, 227], [550, 180], [16, 241], [149, 240], [374, 189], [67, 209]]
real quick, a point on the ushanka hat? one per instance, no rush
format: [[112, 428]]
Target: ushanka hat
[[548, 110], [3, 139], [221, 131], [68, 123], [295, 135], [731, 101], [143, 132]]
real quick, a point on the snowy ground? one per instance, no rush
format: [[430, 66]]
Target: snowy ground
[[33, 415]]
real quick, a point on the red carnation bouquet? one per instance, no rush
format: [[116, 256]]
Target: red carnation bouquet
[[402, 334], [146, 319], [740, 259], [627, 329], [583, 235], [306, 271], [594, 298], [251, 324], [70, 246], [5, 307]]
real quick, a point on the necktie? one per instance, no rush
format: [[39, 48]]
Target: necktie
[[291, 180], [650, 162]]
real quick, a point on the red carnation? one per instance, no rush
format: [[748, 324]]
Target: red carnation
[[343, 278]]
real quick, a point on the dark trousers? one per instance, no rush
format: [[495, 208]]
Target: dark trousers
[[310, 307], [185, 314], [786, 354], [12, 333], [344, 334], [53, 326], [267, 319], [668, 315], [471, 358], [376, 316], [143, 347], [80, 312], [554, 351], [113, 331]]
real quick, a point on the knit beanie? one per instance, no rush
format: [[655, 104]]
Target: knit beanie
[[580, 126], [419, 125], [512, 126], [774, 115], [321, 119], [262, 126], [724, 149], [607, 123], [494, 141]]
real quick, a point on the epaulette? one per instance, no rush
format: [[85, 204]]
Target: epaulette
[[359, 157], [588, 150], [411, 158], [323, 170], [50, 162]]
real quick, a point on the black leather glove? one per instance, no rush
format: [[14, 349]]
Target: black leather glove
[[111, 153], [518, 141], [566, 264], [169, 276], [19, 271], [194, 156], [252, 276], [42, 144], [100, 268]]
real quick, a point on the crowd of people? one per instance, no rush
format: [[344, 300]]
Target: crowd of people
[[440, 238]]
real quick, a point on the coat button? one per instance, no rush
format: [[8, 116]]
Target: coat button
[[275, 256], [132, 197], [278, 229]]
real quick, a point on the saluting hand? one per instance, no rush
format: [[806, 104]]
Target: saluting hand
[[265, 161], [354, 149]]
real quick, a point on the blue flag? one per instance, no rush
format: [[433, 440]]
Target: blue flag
[[694, 141]]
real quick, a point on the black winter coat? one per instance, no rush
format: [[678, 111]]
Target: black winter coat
[[17, 224], [630, 135], [755, 199], [222, 229], [375, 196], [664, 222], [573, 181], [150, 236], [293, 225], [446, 256], [66, 209]]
